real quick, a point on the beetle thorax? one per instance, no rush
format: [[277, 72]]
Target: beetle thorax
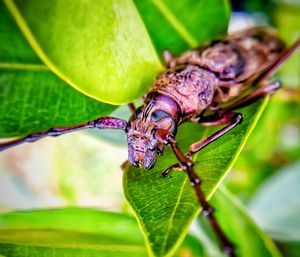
[[190, 86]]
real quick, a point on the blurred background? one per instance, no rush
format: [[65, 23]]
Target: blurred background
[[83, 168]]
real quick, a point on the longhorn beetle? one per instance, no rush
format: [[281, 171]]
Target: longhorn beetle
[[195, 87]]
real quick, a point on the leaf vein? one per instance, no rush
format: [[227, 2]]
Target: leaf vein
[[23, 66], [172, 216], [177, 25]]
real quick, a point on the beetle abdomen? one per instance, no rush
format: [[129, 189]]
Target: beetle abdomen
[[235, 60], [237, 57]]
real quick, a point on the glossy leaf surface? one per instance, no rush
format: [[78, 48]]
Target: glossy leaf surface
[[165, 207], [32, 98], [180, 25], [76, 232], [100, 48]]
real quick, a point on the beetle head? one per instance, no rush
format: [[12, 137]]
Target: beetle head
[[142, 150], [143, 142]]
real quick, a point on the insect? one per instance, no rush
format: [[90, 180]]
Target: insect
[[195, 87]]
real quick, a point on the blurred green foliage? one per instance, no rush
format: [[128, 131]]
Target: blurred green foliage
[[77, 232]]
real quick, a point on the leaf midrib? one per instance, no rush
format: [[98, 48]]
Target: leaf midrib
[[94, 245], [23, 66], [176, 24], [107, 247], [172, 216]]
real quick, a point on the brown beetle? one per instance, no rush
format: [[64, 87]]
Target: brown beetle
[[199, 81]]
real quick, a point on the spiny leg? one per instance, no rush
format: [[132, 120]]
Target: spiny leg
[[230, 118], [221, 117], [101, 123], [187, 165], [278, 62], [267, 90]]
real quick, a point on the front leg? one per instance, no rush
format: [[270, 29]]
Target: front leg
[[186, 164]]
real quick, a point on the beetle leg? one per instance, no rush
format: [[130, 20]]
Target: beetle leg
[[186, 164], [278, 62], [132, 108], [268, 89], [101, 123], [231, 118], [125, 165], [167, 56], [167, 171]]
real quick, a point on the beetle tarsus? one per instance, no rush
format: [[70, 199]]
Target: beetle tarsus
[[168, 170]]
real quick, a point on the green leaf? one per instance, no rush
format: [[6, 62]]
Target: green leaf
[[249, 239], [289, 248], [101, 49], [75, 232], [280, 197], [181, 25], [32, 98], [33, 101], [165, 207]]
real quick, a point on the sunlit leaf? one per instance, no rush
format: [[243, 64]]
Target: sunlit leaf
[[100, 48], [32, 98]]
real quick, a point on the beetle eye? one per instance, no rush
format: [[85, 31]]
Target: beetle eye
[[138, 112], [163, 120], [158, 115]]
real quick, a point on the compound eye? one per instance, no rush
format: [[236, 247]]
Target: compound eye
[[159, 115], [138, 112], [163, 120]]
